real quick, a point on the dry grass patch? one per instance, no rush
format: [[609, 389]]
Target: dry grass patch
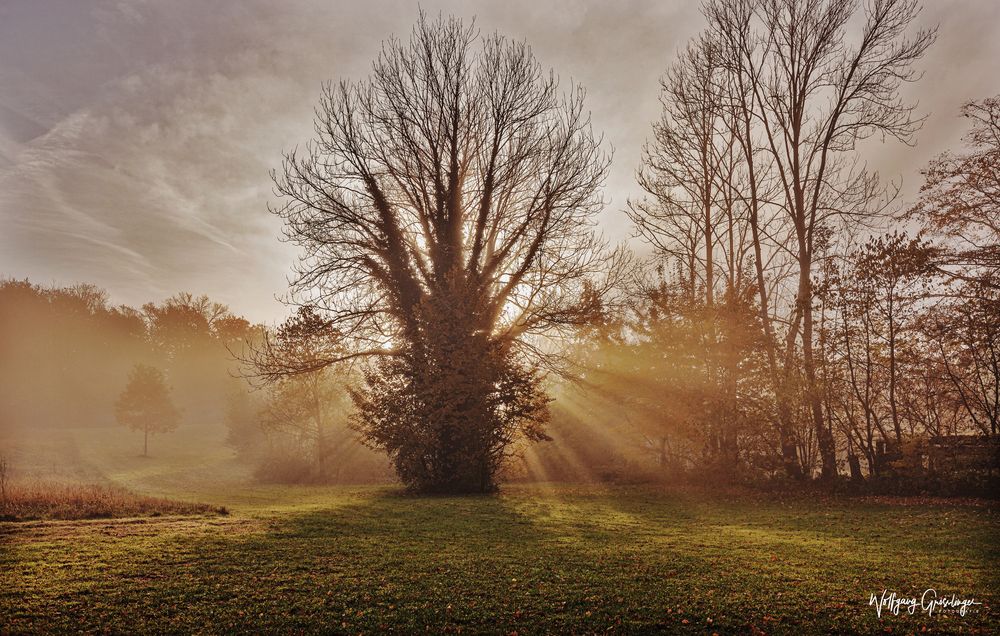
[[41, 499]]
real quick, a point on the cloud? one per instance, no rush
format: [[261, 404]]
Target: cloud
[[136, 137]]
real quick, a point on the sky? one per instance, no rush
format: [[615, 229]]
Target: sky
[[137, 136]]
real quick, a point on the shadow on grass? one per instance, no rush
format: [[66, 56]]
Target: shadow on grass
[[529, 560]]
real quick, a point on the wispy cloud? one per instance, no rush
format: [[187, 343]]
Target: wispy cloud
[[136, 137]]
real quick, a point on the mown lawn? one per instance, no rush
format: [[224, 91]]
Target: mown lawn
[[535, 559]]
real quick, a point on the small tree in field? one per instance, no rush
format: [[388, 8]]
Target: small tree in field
[[145, 404]]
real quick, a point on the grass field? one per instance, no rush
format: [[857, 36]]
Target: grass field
[[534, 559]]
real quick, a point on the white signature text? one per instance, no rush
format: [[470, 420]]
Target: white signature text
[[929, 602]]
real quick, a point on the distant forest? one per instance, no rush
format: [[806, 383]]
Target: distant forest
[[68, 353]]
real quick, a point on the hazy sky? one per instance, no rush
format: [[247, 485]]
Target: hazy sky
[[136, 136]]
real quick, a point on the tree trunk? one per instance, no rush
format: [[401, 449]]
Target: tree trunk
[[320, 432], [827, 449], [855, 464], [789, 454], [892, 372]]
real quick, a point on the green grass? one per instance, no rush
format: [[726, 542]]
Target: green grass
[[534, 559]]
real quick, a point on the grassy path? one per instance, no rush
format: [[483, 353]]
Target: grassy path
[[533, 560]]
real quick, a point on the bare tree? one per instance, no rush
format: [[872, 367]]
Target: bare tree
[[681, 167], [695, 214], [960, 199], [446, 211], [960, 203], [814, 93], [743, 56]]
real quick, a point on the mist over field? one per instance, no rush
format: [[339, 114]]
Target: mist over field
[[68, 354]]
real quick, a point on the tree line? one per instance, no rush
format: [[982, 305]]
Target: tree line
[[797, 329]]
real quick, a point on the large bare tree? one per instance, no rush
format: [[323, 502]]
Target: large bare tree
[[816, 78], [766, 112], [826, 89], [446, 214]]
